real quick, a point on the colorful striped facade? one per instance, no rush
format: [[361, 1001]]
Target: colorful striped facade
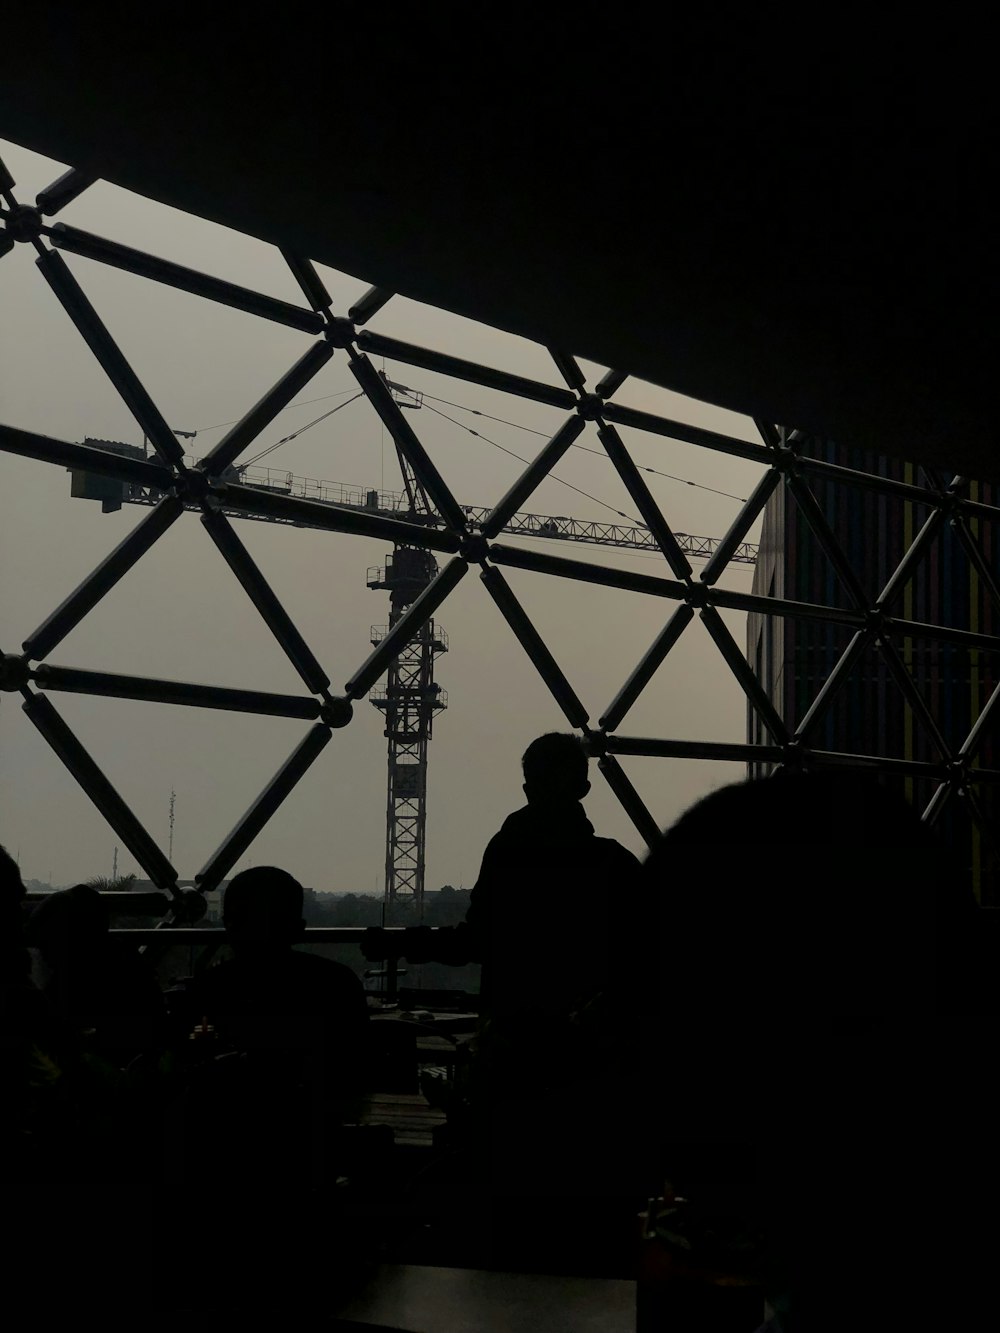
[[870, 716]]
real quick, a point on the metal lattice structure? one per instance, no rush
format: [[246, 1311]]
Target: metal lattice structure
[[409, 702], [468, 540]]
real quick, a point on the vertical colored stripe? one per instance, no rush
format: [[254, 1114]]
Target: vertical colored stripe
[[908, 641]]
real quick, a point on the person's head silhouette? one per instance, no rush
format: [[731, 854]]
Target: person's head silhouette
[[11, 898], [555, 770], [262, 910], [11, 887], [70, 921], [803, 895]]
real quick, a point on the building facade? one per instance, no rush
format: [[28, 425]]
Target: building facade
[[870, 715]]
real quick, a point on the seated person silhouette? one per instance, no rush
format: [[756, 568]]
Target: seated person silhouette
[[96, 983], [65, 1148], [798, 1066], [299, 1021]]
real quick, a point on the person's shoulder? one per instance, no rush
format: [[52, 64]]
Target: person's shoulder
[[617, 855], [324, 971], [216, 981], [513, 826], [508, 837]]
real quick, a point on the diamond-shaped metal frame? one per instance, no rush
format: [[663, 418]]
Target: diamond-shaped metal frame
[[469, 537]]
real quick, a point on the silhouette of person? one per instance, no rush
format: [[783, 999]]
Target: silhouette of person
[[67, 1155], [546, 910], [38, 1057], [14, 959], [296, 1026], [98, 984], [551, 917], [799, 1063], [300, 1020]]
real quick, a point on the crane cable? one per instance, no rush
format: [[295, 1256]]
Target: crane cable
[[599, 453], [552, 476], [271, 447], [461, 407], [203, 430]]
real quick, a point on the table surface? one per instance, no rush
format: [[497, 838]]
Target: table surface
[[424, 1299]]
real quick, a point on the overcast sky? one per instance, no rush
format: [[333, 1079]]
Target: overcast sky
[[181, 614]]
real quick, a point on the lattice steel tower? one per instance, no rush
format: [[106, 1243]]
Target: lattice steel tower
[[409, 700]]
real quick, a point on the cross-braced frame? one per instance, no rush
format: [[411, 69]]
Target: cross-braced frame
[[468, 538]]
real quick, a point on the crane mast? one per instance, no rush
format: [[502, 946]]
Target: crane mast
[[408, 701]]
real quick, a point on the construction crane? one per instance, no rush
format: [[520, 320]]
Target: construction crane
[[410, 698]]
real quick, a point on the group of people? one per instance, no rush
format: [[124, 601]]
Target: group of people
[[776, 1012]]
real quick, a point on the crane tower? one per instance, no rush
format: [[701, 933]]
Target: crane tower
[[409, 701]]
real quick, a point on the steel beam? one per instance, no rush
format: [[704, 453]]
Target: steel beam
[[870, 481], [533, 475], [71, 296], [86, 596], [782, 606], [647, 667], [976, 509], [936, 805], [982, 724], [677, 430], [727, 752], [740, 668], [264, 411], [274, 615], [647, 506], [75, 680], [985, 825], [908, 689], [460, 369], [85, 458], [568, 369], [882, 763], [312, 285], [610, 383], [133, 836], [768, 432], [69, 186], [917, 629], [904, 570], [834, 682], [581, 570], [406, 627], [530, 640], [741, 525], [367, 306], [977, 559], [294, 768], [629, 799], [826, 539], [143, 265], [412, 450]]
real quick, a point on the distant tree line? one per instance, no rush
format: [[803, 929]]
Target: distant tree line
[[444, 907]]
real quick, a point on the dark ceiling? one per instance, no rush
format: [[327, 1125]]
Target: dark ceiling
[[799, 239]]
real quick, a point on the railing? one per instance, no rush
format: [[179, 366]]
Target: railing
[[439, 637], [380, 696], [157, 941]]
